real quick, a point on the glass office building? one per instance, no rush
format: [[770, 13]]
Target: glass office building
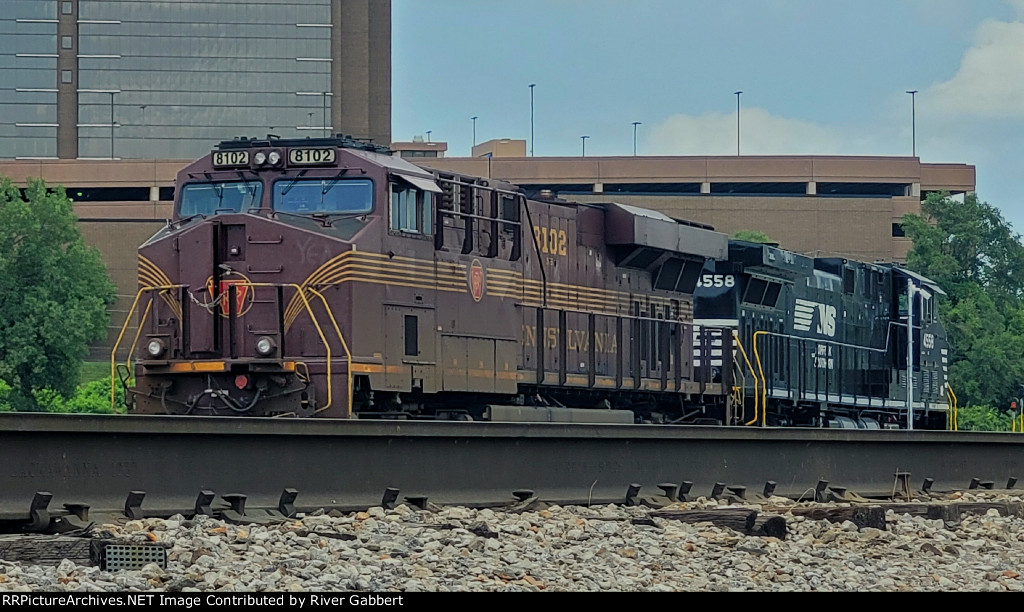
[[167, 79], [28, 74]]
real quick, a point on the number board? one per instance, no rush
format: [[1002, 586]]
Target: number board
[[230, 159], [716, 280], [311, 157]]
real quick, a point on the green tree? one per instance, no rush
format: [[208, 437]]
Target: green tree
[[54, 292], [753, 236], [974, 255], [963, 245]]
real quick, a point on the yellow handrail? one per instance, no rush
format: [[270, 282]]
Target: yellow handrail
[[316, 325], [135, 341], [955, 426], [124, 328], [738, 391], [344, 345], [764, 381], [746, 360]]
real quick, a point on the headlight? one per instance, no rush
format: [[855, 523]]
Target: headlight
[[274, 157], [265, 346], [156, 347], [260, 158]]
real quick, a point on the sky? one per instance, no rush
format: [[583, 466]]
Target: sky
[[818, 77]]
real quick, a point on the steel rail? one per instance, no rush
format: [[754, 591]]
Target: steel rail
[[98, 459]]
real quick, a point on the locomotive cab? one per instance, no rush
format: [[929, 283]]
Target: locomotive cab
[[225, 315], [915, 299]]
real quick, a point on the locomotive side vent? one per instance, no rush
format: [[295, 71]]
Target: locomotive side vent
[[132, 556]]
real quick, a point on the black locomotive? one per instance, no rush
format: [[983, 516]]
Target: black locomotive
[[325, 277], [823, 341]]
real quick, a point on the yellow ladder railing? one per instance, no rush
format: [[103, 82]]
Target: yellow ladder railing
[[738, 394], [344, 345], [951, 397], [750, 367], [124, 328], [764, 381]]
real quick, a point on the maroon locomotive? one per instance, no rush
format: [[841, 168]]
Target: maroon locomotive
[[325, 277]]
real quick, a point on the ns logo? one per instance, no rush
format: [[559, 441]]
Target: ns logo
[[807, 312]]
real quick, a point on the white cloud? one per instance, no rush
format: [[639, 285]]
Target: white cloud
[[762, 133], [990, 81], [989, 84]]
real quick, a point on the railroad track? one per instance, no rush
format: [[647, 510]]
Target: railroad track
[[68, 466]]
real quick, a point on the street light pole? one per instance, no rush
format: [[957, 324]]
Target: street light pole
[[584, 139], [532, 85], [635, 123], [428, 135], [474, 118], [913, 121], [325, 114], [737, 94]]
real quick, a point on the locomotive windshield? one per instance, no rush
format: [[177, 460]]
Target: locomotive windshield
[[327, 195], [213, 198]]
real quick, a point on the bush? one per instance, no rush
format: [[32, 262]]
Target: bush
[[95, 397], [5, 397], [92, 397], [983, 418], [48, 400]]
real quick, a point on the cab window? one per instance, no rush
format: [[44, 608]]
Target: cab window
[[412, 210], [213, 198], [324, 196]]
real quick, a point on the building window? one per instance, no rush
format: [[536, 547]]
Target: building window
[[66, 42], [66, 7], [66, 76], [897, 230], [419, 154]]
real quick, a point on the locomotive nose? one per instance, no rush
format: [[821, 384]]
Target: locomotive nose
[[218, 330], [221, 303]]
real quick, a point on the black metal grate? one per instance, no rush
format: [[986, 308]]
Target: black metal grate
[[133, 556]]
